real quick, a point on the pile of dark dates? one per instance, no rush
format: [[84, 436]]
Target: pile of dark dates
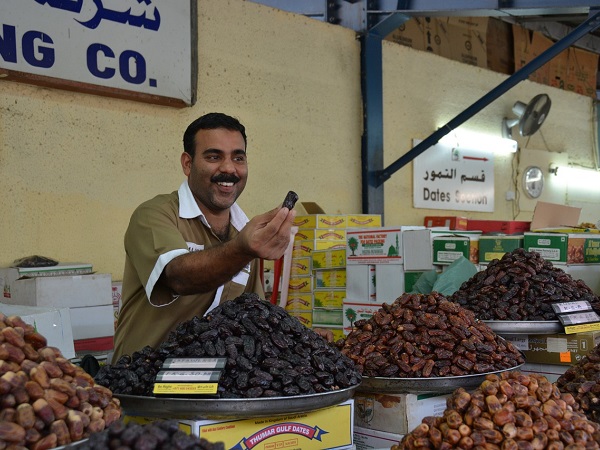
[[421, 336], [269, 354], [159, 435], [582, 380], [522, 286]]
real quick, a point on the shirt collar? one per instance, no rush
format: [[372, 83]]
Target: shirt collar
[[189, 209]]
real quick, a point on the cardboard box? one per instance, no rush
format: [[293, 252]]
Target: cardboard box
[[301, 266], [417, 252], [52, 323], [499, 226], [62, 291], [330, 278], [397, 413], [582, 68], [495, 247], [314, 430], [374, 246], [299, 302], [448, 248], [329, 259], [390, 282], [528, 45], [365, 439], [410, 278], [451, 222], [551, 246], [328, 244], [326, 316], [329, 298], [300, 285], [320, 221], [330, 235], [301, 249], [583, 248], [304, 317], [8, 275], [361, 283], [410, 34], [92, 321], [551, 215], [555, 348], [364, 220], [353, 311]]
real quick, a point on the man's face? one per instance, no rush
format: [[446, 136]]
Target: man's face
[[217, 175]]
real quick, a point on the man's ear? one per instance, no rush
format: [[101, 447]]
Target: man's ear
[[186, 163]]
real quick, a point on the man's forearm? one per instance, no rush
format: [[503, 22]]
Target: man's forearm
[[205, 270]]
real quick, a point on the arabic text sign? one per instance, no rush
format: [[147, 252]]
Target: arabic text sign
[[142, 46], [455, 179]]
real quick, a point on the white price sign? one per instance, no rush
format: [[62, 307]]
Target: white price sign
[[445, 177], [101, 46]]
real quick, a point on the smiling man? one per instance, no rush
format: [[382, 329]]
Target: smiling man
[[190, 250]]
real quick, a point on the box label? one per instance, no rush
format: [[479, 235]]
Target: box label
[[374, 246]]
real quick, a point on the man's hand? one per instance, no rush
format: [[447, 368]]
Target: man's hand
[[324, 333], [267, 236]]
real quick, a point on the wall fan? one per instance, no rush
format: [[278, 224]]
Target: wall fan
[[530, 117]]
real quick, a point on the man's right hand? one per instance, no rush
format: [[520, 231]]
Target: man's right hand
[[267, 236]]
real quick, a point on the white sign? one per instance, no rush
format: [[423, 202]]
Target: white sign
[[445, 177], [133, 45]]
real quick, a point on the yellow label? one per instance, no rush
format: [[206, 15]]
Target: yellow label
[[570, 329], [185, 388]]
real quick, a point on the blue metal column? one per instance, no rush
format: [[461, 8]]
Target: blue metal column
[[372, 92]]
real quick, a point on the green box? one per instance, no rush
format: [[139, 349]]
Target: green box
[[410, 278], [326, 316], [551, 246], [495, 247], [331, 298], [447, 249]]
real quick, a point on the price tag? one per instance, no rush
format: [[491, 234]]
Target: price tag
[[569, 307], [187, 382], [194, 363], [577, 322]]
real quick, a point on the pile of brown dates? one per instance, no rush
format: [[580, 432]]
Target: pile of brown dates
[[426, 336], [46, 401], [582, 380], [521, 286], [159, 435], [269, 354], [510, 411]]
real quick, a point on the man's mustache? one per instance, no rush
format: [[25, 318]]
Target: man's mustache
[[225, 178]]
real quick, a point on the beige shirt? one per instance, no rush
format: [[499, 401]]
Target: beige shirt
[[161, 229]]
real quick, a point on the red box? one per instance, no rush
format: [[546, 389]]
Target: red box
[[499, 226], [452, 222]]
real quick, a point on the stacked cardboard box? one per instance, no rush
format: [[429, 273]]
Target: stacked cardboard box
[[379, 263], [317, 284], [573, 69], [479, 41], [497, 45], [87, 296]]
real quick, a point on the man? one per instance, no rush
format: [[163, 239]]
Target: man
[[190, 250]]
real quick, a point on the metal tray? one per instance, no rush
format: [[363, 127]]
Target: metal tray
[[524, 326], [71, 445], [382, 385], [218, 408]]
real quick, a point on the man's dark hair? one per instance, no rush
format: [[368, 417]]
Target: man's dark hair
[[210, 121]]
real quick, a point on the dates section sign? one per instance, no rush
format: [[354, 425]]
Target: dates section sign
[[452, 178]]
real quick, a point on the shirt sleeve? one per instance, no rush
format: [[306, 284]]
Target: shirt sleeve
[[152, 240]]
